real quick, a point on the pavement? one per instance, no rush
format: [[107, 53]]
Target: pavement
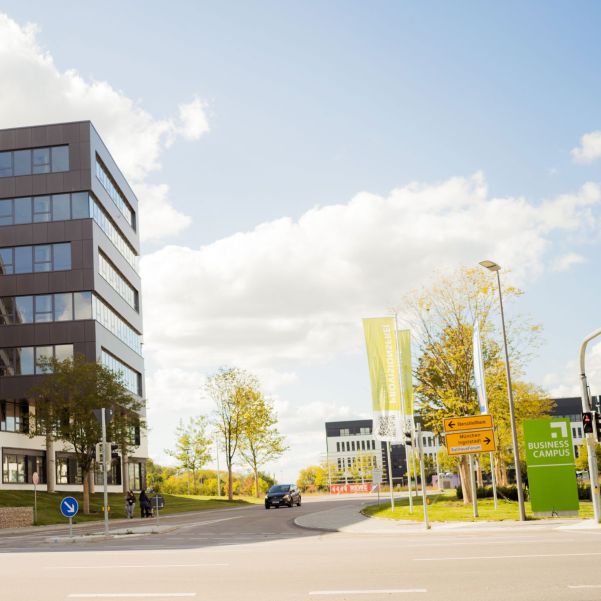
[[325, 548]]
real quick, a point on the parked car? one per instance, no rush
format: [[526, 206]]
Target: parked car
[[282, 494]]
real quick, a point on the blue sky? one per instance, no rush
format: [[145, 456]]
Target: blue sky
[[309, 104]]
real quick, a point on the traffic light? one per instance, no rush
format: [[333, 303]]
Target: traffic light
[[408, 440], [598, 424], [114, 451], [587, 422]]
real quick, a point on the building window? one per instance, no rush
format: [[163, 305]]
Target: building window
[[134, 474], [68, 470], [132, 380], [113, 473], [38, 258], [112, 322], [26, 360], [118, 282], [108, 183], [365, 431], [338, 447], [352, 445], [345, 432], [63, 306], [34, 160], [18, 466], [106, 224], [348, 446], [39, 209], [14, 416]]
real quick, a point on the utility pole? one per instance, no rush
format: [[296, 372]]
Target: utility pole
[[105, 474]]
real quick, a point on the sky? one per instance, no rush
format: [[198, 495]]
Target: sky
[[300, 166]]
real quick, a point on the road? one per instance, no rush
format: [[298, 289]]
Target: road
[[256, 555]]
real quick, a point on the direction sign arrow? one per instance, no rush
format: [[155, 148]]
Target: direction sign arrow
[[69, 507], [487, 440], [451, 424]]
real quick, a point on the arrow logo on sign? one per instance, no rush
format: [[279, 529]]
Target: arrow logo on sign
[[70, 508], [451, 425], [487, 440]]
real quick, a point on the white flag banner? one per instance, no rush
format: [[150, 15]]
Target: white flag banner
[[479, 371]]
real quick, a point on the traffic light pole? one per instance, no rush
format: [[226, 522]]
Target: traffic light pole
[[591, 439], [104, 474]]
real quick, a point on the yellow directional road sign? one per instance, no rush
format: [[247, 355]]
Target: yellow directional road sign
[[470, 422], [478, 441]]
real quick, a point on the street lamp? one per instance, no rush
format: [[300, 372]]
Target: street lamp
[[492, 266]]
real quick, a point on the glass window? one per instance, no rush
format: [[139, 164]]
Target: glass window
[[62, 256], [23, 259], [63, 307], [24, 361], [6, 212], [23, 210], [6, 164], [24, 309], [22, 162], [43, 307], [42, 257], [41, 353], [63, 351], [83, 305], [80, 205], [6, 261], [60, 158], [6, 362], [41, 208], [61, 207], [41, 160]]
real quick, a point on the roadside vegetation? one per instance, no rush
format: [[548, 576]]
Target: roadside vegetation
[[49, 513], [447, 508]]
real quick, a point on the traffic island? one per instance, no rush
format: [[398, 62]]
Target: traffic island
[[121, 533]]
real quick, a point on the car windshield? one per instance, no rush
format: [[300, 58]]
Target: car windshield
[[280, 488]]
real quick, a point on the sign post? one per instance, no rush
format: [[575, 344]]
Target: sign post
[[69, 508], [551, 471], [104, 416], [376, 480], [158, 503], [422, 472], [35, 478]]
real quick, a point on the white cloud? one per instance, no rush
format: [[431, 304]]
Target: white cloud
[[567, 382], [567, 261], [35, 91], [296, 290], [589, 149]]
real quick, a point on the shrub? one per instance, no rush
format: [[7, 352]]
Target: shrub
[[509, 493]]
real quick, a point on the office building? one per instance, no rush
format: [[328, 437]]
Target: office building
[[69, 284]]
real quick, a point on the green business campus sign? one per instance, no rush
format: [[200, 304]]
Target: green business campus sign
[[551, 469]]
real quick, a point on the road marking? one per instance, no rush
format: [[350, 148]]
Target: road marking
[[158, 565], [584, 586], [385, 591], [535, 555], [128, 595]]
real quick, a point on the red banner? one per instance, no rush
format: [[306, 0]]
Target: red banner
[[350, 488]]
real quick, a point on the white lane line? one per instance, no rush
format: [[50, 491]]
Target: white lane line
[[145, 565], [533, 556], [128, 595], [384, 591], [584, 586]]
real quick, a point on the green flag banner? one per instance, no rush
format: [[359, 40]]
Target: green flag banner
[[406, 373], [551, 469], [382, 358]]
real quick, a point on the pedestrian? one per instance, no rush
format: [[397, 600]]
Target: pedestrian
[[130, 504], [144, 504]]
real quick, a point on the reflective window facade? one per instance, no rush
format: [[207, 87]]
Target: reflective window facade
[[38, 209], [131, 378], [115, 193], [14, 416], [34, 160], [125, 290], [18, 466], [25, 360], [104, 315], [62, 306], [30, 259]]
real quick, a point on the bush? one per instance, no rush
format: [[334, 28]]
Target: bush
[[509, 493], [584, 492]]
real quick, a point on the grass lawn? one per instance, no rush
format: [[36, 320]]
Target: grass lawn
[[49, 513], [446, 508]]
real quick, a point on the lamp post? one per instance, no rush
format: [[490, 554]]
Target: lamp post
[[492, 266]]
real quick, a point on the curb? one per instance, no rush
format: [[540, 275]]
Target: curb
[[115, 535]]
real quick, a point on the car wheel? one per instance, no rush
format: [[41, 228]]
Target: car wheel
[[267, 506], [299, 502]]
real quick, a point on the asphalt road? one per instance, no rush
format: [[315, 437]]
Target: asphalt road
[[251, 554]]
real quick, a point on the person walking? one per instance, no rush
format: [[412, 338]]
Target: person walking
[[144, 504], [130, 504]]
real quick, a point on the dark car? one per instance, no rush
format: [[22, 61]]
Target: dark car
[[282, 494]]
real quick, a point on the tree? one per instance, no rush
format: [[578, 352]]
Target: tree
[[65, 400], [261, 442], [582, 459], [443, 317], [191, 448], [230, 389]]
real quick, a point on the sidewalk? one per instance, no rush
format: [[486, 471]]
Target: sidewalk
[[349, 519]]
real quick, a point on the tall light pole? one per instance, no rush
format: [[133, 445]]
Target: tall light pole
[[591, 439], [492, 266]]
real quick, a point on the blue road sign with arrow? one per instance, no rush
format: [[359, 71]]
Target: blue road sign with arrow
[[69, 507]]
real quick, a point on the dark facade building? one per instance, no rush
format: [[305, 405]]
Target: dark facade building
[[69, 284]]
